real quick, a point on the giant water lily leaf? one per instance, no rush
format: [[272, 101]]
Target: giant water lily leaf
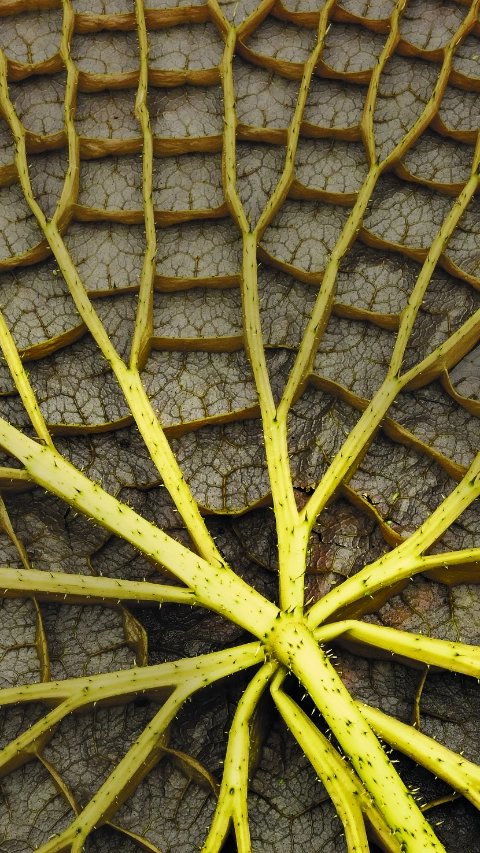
[[239, 403]]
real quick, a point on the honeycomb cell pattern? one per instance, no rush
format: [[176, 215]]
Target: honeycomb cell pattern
[[141, 141]]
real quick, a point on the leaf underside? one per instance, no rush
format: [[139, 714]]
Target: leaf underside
[[240, 295]]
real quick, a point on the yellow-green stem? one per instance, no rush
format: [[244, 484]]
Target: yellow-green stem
[[57, 586], [72, 694], [292, 537], [232, 801], [139, 760], [216, 586], [332, 773], [405, 560], [295, 647], [22, 384], [461, 774], [457, 657]]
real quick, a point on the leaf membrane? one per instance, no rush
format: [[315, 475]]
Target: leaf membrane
[[325, 369]]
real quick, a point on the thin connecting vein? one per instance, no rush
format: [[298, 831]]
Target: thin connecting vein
[[143, 332]]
